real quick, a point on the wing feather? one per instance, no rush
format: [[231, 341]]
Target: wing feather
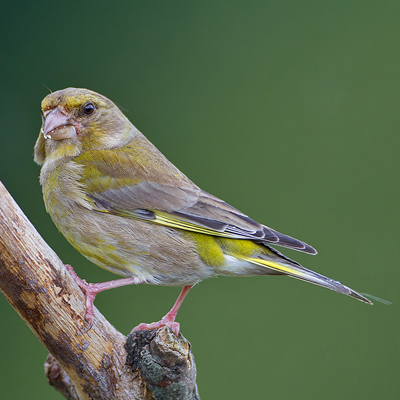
[[173, 200], [193, 211]]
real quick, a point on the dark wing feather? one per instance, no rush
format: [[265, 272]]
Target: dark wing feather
[[124, 182], [193, 209]]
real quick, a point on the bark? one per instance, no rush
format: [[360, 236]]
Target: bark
[[84, 363]]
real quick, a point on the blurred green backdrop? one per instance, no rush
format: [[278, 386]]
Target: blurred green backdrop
[[288, 111]]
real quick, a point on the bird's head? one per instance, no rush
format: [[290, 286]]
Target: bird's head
[[77, 120]]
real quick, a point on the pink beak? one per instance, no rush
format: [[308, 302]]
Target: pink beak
[[58, 126]]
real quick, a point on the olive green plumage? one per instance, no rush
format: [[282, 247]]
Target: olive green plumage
[[126, 208]]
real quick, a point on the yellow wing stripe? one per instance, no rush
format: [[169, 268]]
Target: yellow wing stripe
[[166, 220]]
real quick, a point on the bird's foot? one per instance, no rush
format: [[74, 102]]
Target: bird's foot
[[165, 321], [169, 318], [92, 289]]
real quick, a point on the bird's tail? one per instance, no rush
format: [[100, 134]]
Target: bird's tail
[[295, 270]]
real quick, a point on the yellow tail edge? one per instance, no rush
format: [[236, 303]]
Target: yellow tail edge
[[304, 274]]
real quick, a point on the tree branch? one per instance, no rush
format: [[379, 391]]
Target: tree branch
[[84, 363]]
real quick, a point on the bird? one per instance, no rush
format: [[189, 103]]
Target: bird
[[122, 204]]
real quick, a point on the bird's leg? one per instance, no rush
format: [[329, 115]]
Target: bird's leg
[[169, 318], [92, 289]]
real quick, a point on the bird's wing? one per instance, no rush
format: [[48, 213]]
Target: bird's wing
[[176, 202]]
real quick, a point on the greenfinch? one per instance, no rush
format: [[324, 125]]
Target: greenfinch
[[126, 208]]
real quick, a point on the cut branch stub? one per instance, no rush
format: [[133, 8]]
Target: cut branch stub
[[164, 362]]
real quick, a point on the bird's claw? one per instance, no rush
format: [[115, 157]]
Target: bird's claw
[[174, 326], [89, 291]]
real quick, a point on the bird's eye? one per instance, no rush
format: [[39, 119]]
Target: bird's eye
[[88, 108]]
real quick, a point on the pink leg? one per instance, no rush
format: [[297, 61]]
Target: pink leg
[[169, 318], [92, 289]]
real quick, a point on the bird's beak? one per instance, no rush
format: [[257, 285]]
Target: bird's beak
[[58, 126]]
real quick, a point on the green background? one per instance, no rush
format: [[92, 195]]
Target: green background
[[289, 111]]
